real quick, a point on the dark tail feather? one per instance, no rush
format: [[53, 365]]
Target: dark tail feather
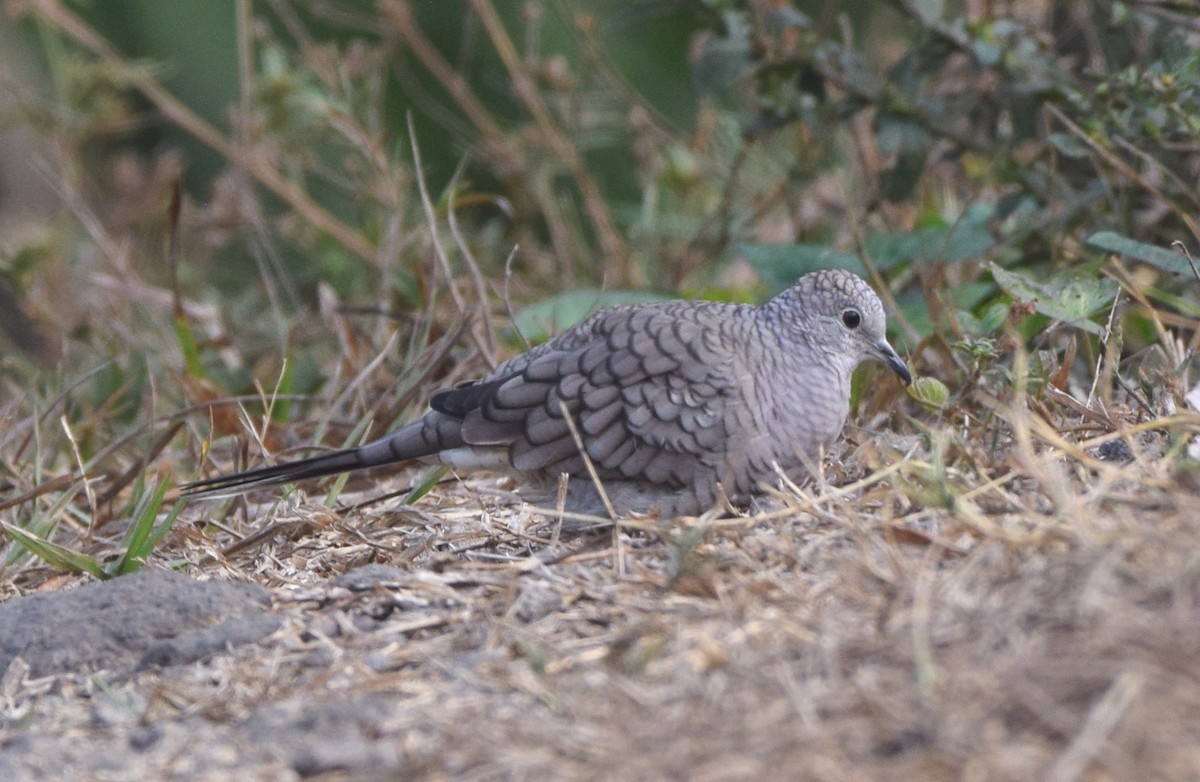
[[313, 467], [421, 438]]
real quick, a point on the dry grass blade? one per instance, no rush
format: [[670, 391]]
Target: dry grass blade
[[614, 249], [180, 114], [46, 487], [131, 473]]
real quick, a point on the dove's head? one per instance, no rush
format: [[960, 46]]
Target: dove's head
[[842, 316]]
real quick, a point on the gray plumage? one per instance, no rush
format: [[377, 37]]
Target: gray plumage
[[674, 402]]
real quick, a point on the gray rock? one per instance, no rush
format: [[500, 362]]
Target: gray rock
[[114, 624]]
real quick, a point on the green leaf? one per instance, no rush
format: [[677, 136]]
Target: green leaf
[[901, 180], [186, 338], [139, 529], [52, 554], [427, 482], [1069, 145], [356, 438], [987, 322], [955, 243], [1070, 297], [538, 322], [916, 310], [930, 11], [1158, 257], [900, 134], [986, 52], [142, 535], [981, 350], [46, 524], [1184, 305], [723, 61], [929, 392], [779, 265], [281, 405], [162, 528]]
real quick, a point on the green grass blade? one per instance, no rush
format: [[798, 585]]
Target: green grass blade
[[281, 403], [427, 482], [355, 437], [52, 554], [188, 346], [45, 527], [139, 533], [162, 529]]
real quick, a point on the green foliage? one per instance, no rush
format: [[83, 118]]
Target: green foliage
[[54, 555], [144, 534], [145, 531], [980, 90], [965, 239], [1168, 261], [1072, 297], [429, 479], [930, 393], [551, 316]]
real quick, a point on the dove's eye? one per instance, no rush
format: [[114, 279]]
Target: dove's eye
[[851, 318]]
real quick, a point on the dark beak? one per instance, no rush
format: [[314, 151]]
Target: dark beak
[[887, 354]]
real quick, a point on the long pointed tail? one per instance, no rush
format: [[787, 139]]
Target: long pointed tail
[[313, 467], [410, 442]]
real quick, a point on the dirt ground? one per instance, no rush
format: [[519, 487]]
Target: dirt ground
[[1021, 631]]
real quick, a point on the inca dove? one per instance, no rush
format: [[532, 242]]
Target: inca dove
[[673, 402]]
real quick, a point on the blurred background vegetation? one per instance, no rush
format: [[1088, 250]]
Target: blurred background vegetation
[[354, 201]]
